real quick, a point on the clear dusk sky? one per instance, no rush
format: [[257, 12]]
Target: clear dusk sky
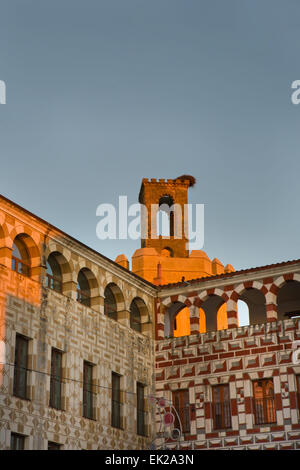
[[101, 93]]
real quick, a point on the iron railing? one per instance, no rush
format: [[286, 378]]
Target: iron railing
[[20, 267], [264, 410], [54, 283], [83, 298], [221, 412], [185, 419]]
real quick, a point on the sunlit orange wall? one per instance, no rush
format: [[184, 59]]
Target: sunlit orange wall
[[183, 321]]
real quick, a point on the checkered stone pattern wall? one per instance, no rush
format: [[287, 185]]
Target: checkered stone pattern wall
[[81, 334], [235, 357]]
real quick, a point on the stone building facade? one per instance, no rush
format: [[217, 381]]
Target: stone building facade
[[238, 362], [47, 319]]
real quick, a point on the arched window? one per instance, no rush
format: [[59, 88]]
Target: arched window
[[243, 313], [254, 312], [20, 260], [215, 312], [181, 322], [167, 252], [54, 275], [135, 317], [177, 320], [110, 304], [83, 289], [165, 217], [288, 300]]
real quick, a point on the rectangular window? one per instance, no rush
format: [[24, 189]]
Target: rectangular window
[[140, 392], [221, 407], [264, 401], [53, 446], [88, 390], [56, 379], [116, 401], [20, 370], [17, 441], [182, 406]]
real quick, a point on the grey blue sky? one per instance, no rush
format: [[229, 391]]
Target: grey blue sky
[[101, 93]]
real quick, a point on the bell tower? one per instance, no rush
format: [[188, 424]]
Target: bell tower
[[168, 199]]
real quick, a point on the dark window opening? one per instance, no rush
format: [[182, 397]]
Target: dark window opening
[[54, 276], [56, 380], [116, 401], [141, 415], [135, 317], [17, 441], [182, 407], [20, 370], [20, 260], [83, 290], [221, 407], [53, 446], [88, 395], [110, 305]]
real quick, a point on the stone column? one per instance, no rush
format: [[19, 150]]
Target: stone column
[[160, 320], [271, 306], [232, 313], [194, 319], [5, 256], [97, 303], [70, 289], [124, 318]]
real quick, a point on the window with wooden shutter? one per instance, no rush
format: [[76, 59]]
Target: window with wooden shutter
[[20, 370], [88, 390], [116, 401], [56, 380], [221, 407], [182, 406], [140, 391]]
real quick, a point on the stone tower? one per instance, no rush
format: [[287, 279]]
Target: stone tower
[[166, 259], [169, 196]]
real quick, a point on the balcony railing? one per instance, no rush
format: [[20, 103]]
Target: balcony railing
[[83, 298], [20, 267], [221, 413], [54, 284], [264, 410]]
